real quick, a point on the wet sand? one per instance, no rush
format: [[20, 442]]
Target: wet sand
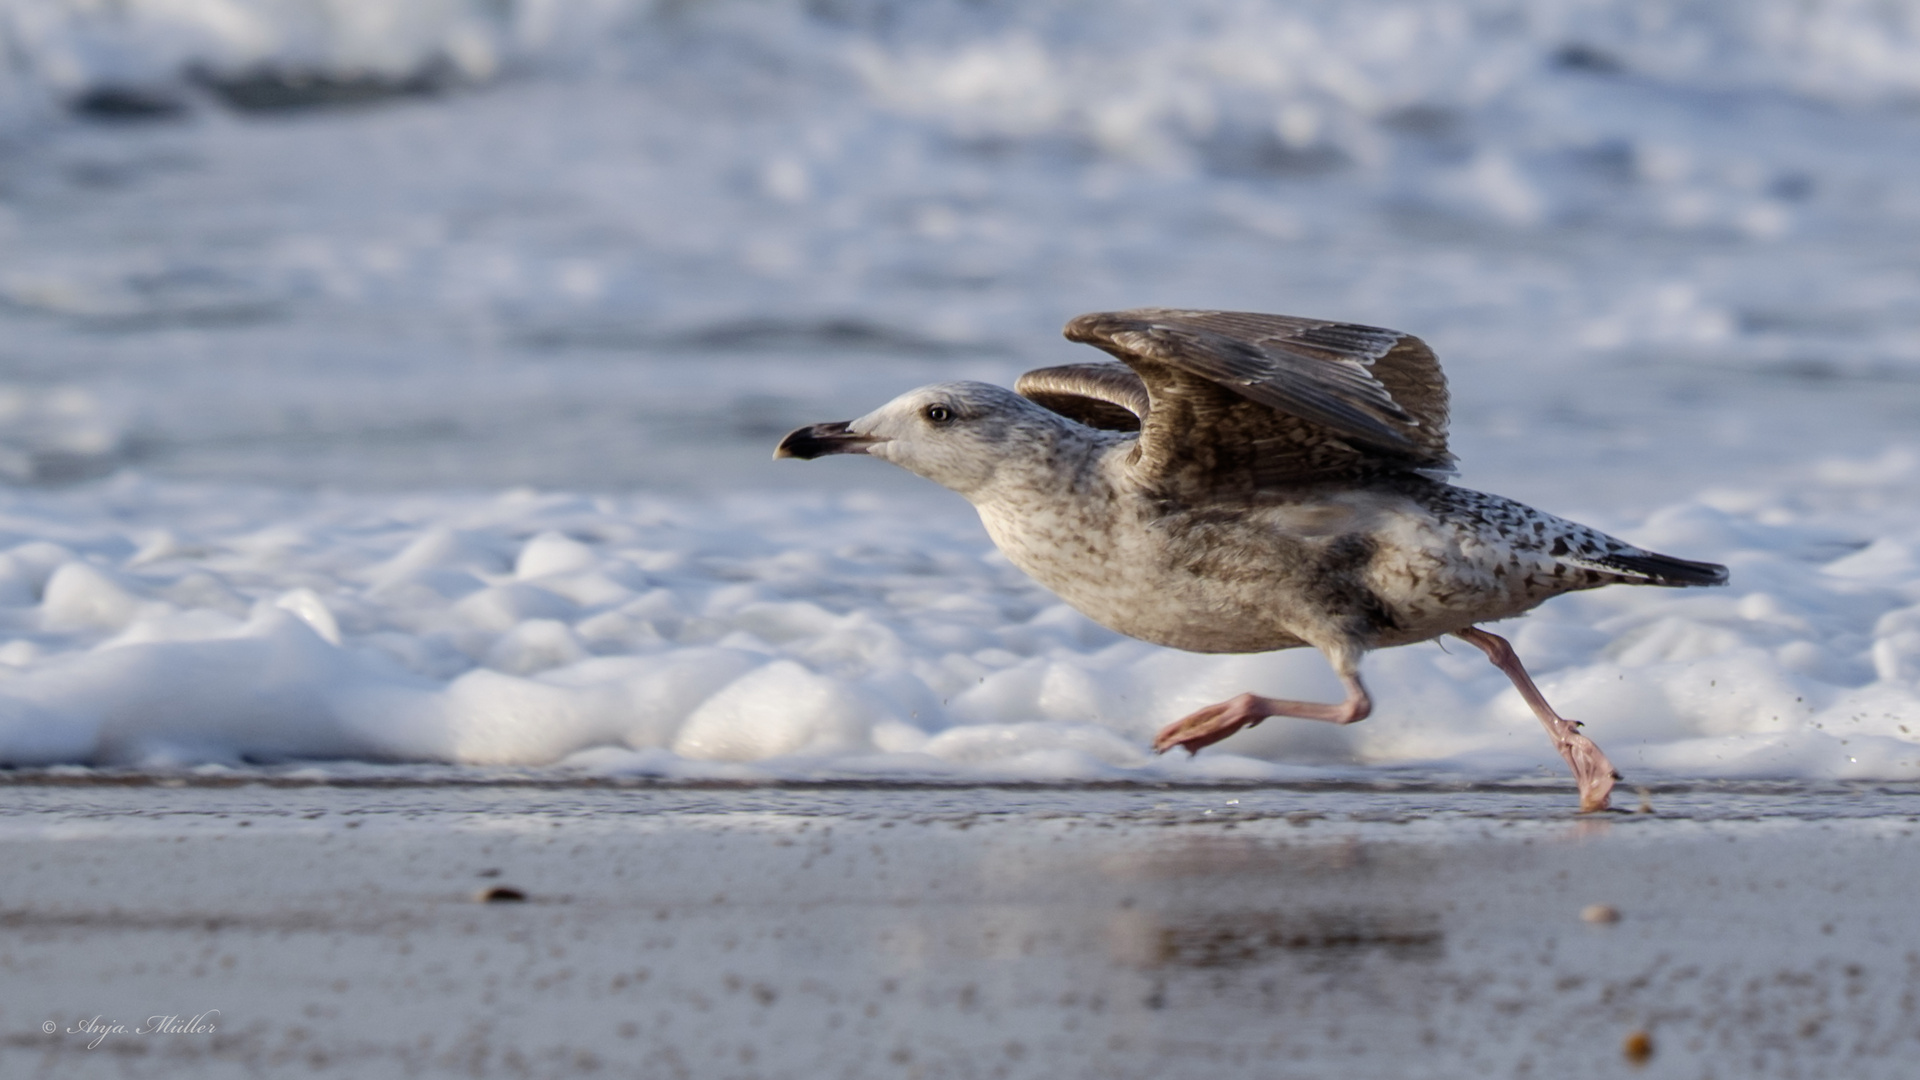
[[335, 929]]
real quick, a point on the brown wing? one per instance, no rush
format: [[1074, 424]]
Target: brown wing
[[1108, 396], [1242, 402]]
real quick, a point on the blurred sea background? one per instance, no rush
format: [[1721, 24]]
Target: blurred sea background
[[396, 381]]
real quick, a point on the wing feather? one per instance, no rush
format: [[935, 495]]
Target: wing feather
[[1108, 396], [1242, 402]]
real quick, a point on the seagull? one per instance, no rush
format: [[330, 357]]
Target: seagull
[[1242, 483]]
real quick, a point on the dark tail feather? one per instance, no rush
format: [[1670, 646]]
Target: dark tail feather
[[1652, 569]]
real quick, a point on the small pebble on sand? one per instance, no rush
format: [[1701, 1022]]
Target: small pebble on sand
[[1600, 913], [1637, 1047]]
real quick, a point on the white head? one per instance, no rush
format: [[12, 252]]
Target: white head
[[961, 435]]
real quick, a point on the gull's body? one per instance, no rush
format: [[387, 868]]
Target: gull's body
[[1281, 490]]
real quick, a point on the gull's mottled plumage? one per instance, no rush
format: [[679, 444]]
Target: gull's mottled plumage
[[1241, 483]]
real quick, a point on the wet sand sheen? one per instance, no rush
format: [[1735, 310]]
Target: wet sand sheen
[[954, 931]]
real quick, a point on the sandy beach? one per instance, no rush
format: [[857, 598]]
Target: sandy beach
[[843, 930]]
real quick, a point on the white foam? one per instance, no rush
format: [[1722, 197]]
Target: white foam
[[805, 635], [429, 293], [1034, 69]]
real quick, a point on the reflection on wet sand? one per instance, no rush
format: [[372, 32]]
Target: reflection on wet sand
[[1236, 939]]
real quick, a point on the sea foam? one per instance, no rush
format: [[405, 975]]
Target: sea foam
[[807, 635]]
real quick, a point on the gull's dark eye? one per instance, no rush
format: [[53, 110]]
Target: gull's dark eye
[[939, 414]]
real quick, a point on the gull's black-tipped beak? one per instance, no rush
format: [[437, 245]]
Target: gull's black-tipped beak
[[819, 440]]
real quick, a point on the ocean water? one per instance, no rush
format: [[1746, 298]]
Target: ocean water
[[396, 383]]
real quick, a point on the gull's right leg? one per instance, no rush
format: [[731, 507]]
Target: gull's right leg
[[1591, 769]]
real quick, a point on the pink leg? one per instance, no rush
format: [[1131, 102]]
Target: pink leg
[[1591, 768], [1215, 722]]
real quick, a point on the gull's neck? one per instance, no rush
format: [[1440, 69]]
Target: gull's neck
[[1067, 461]]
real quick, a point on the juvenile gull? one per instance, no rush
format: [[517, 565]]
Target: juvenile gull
[[1241, 483]]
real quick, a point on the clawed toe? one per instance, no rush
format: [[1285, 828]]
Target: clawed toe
[[1192, 734], [1199, 730], [1591, 769]]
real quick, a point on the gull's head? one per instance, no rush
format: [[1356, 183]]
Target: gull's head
[[961, 435]]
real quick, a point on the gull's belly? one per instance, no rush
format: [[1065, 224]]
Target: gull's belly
[[1183, 610], [1133, 580], [1369, 569]]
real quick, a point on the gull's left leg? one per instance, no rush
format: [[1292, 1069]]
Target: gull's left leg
[[1215, 722], [1591, 768]]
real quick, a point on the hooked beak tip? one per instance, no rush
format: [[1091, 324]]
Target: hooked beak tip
[[819, 440]]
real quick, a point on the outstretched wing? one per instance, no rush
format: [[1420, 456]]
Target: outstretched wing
[[1241, 402], [1108, 396]]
